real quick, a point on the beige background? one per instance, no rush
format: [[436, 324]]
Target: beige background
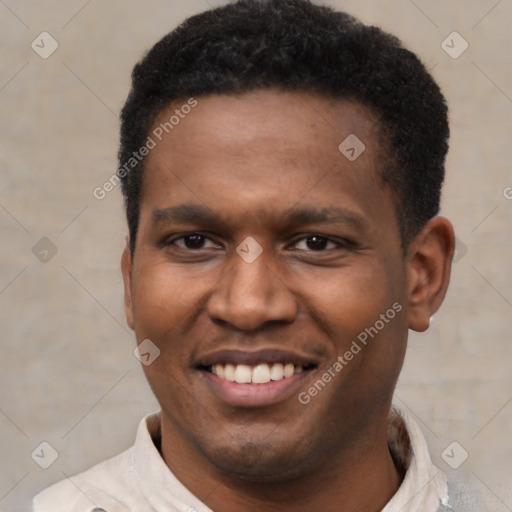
[[67, 372]]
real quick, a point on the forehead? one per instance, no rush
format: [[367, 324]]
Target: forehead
[[247, 117], [265, 149]]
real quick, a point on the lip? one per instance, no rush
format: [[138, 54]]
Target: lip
[[255, 357], [254, 395]]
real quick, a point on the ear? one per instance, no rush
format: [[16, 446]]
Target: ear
[[126, 269], [429, 261]]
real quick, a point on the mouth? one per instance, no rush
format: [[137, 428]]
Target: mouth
[[259, 374], [249, 379]]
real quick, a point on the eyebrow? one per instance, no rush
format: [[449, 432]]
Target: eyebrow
[[296, 216]]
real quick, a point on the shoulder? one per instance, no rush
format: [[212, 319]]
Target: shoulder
[[107, 485], [463, 496], [112, 485]]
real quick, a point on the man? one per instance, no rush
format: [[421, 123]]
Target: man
[[281, 167]]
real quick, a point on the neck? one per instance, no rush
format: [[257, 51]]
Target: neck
[[361, 477]]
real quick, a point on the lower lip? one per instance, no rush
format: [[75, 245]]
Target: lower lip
[[254, 395]]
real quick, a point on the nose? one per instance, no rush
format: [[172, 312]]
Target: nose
[[250, 295]]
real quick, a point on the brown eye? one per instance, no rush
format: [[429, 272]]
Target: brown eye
[[194, 241], [315, 243]]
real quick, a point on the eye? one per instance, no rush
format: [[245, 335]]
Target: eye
[[317, 243], [193, 241], [313, 242]]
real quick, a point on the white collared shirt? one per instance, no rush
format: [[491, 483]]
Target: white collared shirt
[[138, 480]]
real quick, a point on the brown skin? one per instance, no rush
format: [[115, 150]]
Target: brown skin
[[248, 159]]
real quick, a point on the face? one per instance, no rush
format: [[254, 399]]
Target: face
[[265, 255]]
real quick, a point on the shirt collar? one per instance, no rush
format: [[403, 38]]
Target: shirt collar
[[423, 489], [157, 482]]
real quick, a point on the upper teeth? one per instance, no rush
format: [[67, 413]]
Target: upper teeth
[[259, 374]]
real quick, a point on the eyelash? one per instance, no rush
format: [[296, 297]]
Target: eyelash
[[343, 244]]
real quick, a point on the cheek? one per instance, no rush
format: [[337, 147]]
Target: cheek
[[348, 299], [363, 316], [361, 311], [164, 297]]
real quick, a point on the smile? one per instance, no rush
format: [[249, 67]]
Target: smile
[[258, 374], [255, 378]]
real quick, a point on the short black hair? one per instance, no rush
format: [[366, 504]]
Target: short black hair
[[296, 45]]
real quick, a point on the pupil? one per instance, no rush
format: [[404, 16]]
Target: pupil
[[194, 241], [316, 243]]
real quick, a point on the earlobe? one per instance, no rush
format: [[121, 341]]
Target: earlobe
[[429, 260], [126, 269]]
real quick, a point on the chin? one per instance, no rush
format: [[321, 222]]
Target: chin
[[259, 462]]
